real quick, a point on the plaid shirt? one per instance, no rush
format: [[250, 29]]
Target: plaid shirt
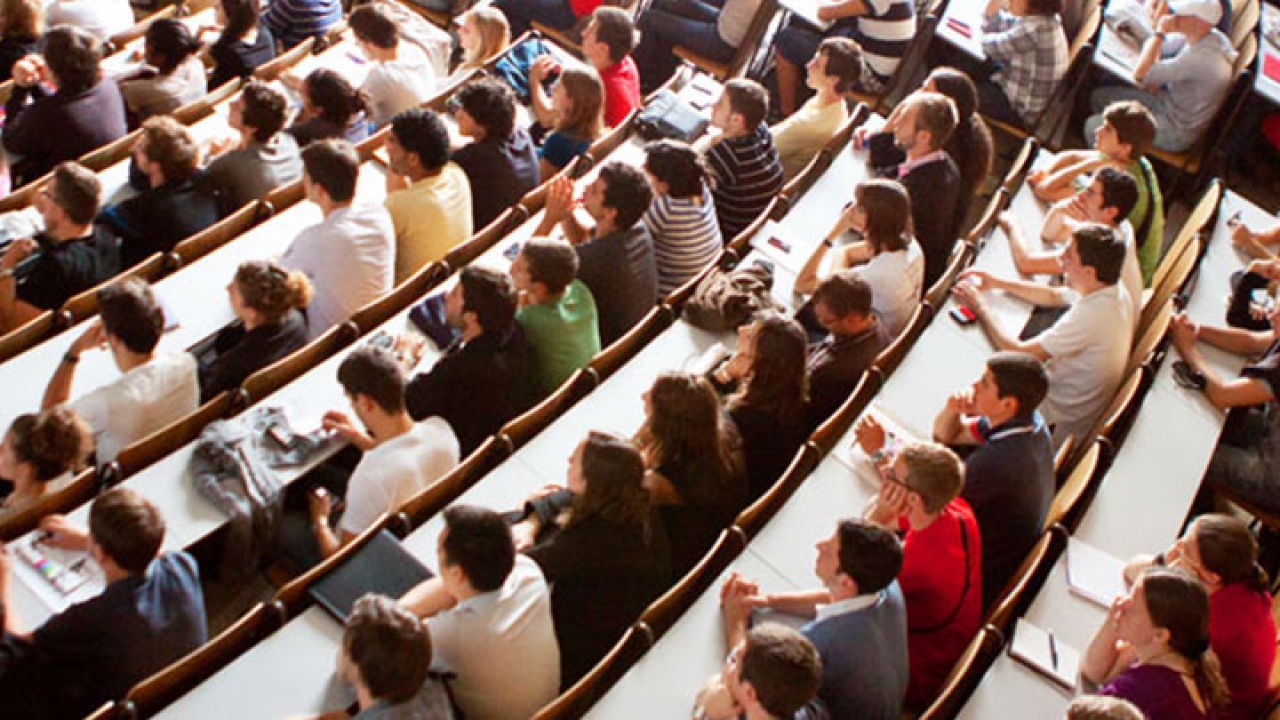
[[1032, 53]]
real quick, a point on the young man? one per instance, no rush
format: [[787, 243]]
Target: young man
[[930, 176], [428, 196], [155, 388], [292, 21], [501, 162], [401, 457], [488, 616], [170, 208], [150, 614], [615, 257], [262, 158], [401, 77], [859, 621], [773, 674], [1008, 478], [71, 255], [742, 160], [349, 256], [1182, 91], [941, 574], [483, 378], [607, 42], [1087, 349], [842, 305], [834, 71], [557, 312]]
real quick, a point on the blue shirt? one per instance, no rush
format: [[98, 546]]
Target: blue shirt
[[864, 657], [559, 148]]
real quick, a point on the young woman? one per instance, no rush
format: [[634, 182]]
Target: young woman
[[970, 144], [331, 108], [268, 301], [40, 453], [575, 112], [173, 76], [483, 34], [20, 29], [888, 258], [1153, 649], [602, 548], [243, 45], [695, 468], [682, 217]]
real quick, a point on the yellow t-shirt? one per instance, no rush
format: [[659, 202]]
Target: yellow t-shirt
[[801, 136], [431, 217]]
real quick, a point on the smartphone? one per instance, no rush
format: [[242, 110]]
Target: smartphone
[[512, 251], [1234, 220], [963, 315], [780, 244]]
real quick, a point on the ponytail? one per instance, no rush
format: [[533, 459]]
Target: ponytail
[[1207, 673], [1229, 550]]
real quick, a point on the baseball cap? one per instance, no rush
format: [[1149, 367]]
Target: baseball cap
[[1207, 10]]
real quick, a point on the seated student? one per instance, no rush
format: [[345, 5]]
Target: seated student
[[941, 574], [745, 173], [101, 19], [573, 112], [601, 547], [1026, 42], [1182, 91], [607, 42], [156, 389], [712, 29], [40, 454], [1098, 707], [859, 620], [400, 457], [1121, 142], [268, 301], [682, 217], [1221, 552], [615, 257], [1255, 243], [888, 258], [331, 110], [150, 614], [770, 396], [386, 659], [842, 306], [1008, 479], [21, 26], [483, 34], [488, 617], [70, 256], [350, 255], [171, 208], [773, 673], [173, 75], [262, 158], [557, 312], [556, 14], [292, 21], [501, 161], [401, 77], [243, 44], [695, 467], [930, 176], [1153, 649], [84, 112], [1106, 200], [428, 197], [834, 71], [1086, 350]]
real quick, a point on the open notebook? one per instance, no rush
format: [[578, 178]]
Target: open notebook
[[1094, 575], [1039, 650]]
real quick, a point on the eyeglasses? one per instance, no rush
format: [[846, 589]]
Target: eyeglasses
[[888, 473]]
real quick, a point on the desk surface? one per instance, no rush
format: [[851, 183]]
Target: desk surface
[[961, 26], [1116, 55], [128, 59]]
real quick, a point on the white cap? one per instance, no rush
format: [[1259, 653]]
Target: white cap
[[1207, 10]]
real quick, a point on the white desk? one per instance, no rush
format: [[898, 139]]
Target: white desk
[[128, 59], [961, 26], [1116, 55], [344, 57], [807, 10]]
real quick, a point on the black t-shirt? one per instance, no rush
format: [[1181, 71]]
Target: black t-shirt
[[499, 173], [235, 58], [156, 220], [769, 443], [237, 354], [709, 504], [619, 271], [66, 269]]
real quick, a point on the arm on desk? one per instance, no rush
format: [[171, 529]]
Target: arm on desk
[[1027, 260], [999, 336], [1224, 394], [429, 598], [846, 257], [1255, 243], [1054, 183], [801, 604]]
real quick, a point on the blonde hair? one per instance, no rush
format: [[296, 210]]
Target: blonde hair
[[271, 290], [585, 120], [494, 35]]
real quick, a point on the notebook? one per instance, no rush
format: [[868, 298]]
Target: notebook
[[1271, 67], [1039, 650], [1094, 575], [382, 567]]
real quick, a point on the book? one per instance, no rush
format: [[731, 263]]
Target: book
[[1040, 650], [1094, 575]]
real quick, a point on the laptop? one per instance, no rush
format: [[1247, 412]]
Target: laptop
[[382, 567]]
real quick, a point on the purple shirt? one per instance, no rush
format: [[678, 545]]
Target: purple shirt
[[1158, 691]]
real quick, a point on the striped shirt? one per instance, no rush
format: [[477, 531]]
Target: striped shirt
[[747, 174], [884, 34], [686, 238], [292, 21], [1032, 52]]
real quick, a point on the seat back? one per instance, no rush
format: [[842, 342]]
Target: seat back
[[1017, 172], [1066, 502], [1178, 273], [220, 233], [199, 109], [79, 491], [911, 69], [753, 519], [486, 238], [113, 152], [891, 357], [284, 371], [604, 145], [936, 296], [273, 69], [618, 353], [28, 335], [137, 30], [159, 444], [294, 597], [741, 60], [414, 288], [520, 430], [1244, 21], [1024, 584], [577, 700], [85, 305], [965, 675], [21, 197], [1197, 222], [826, 435], [284, 197], [1146, 344], [658, 618]]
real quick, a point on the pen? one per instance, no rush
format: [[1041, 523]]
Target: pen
[[1053, 650]]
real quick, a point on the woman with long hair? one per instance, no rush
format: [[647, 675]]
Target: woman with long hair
[[40, 453], [244, 43], [970, 144], [483, 34], [331, 109], [173, 75], [575, 113]]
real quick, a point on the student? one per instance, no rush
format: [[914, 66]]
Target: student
[[483, 34], [556, 14], [40, 455], [70, 256], [857, 616], [84, 112], [574, 111], [243, 44], [171, 208], [557, 312], [268, 302], [607, 42], [150, 614], [331, 110], [401, 77], [601, 547], [832, 73], [488, 616], [682, 218], [262, 158], [1028, 45], [21, 26], [743, 163], [1121, 141], [930, 176], [773, 673], [483, 378], [842, 306], [173, 75], [156, 388], [501, 161], [103, 20], [888, 258], [292, 21], [1009, 478], [713, 29], [615, 257]]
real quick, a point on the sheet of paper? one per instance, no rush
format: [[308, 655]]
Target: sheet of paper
[[58, 578], [1093, 574]]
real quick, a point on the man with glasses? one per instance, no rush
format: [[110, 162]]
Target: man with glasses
[[842, 306]]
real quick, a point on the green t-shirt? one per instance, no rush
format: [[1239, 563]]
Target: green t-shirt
[[1149, 243], [563, 335]]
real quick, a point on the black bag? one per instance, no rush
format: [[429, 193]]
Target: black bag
[[668, 116]]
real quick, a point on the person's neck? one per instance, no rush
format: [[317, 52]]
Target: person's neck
[[1195, 35], [386, 426], [734, 133], [601, 63], [364, 698], [1089, 287], [128, 361], [1001, 418], [920, 520], [1120, 158], [113, 573], [383, 55], [63, 233], [918, 151], [605, 227], [851, 331], [470, 331], [328, 207], [827, 95], [539, 296], [419, 174], [755, 712], [25, 491], [1162, 655]]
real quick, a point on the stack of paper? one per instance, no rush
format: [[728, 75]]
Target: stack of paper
[[1039, 650]]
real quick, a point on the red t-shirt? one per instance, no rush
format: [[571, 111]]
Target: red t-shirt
[[583, 8], [1242, 634], [621, 91], [933, 580]]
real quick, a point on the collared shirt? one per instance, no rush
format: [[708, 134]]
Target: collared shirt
[[908, 165], [836, 365], [1032, 51], [848, 605], [621, 91]]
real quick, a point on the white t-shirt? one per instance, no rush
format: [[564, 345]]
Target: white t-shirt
[[142, 401], [396, 86], [1131, 271], [103, 18], [395, 470], [502, 647], [896, 279]]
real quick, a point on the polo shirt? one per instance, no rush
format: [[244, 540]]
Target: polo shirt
[[746, 175], [562, 334], [836, 365], [431, 217], [621, 90], [62, 270], [393, 471], [862, 642], [1242, 633], [686, 238], [500, 172], [398, 85], [140, 402], [620, 271]]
